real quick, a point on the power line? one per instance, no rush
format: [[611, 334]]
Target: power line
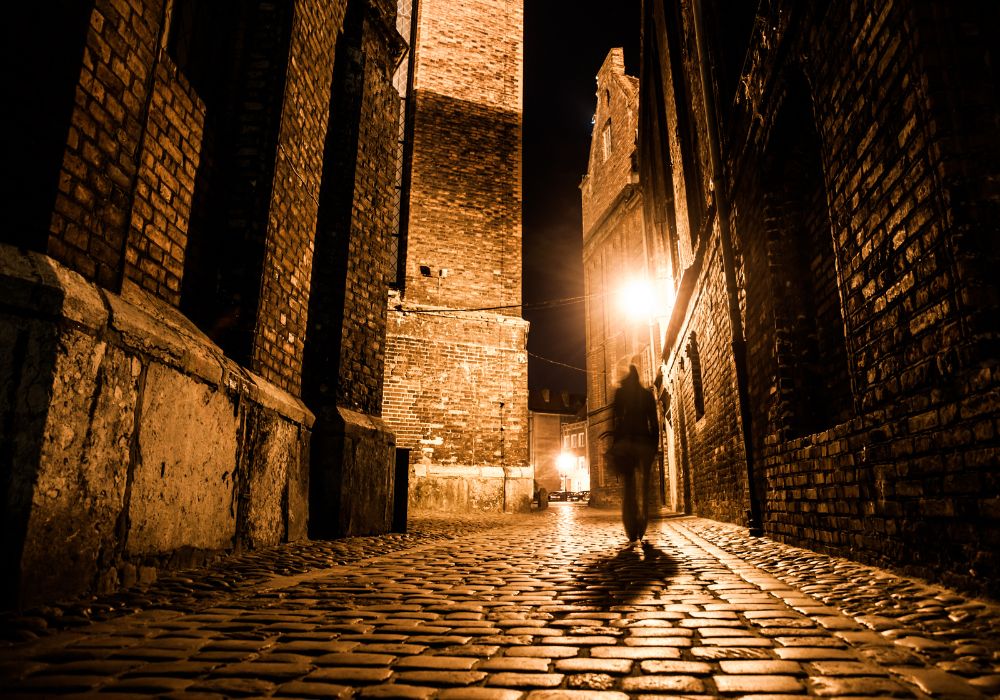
[[556, 362], [546, 304]]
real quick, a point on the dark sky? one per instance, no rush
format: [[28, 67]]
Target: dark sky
[[564, 45]]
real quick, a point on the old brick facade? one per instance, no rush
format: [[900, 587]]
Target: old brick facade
[[549, 412], [619, 255], [456, 364], [825, 178], [162, 302]]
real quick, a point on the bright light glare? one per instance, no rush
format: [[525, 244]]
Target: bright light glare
[[565, 463], [637, 300]]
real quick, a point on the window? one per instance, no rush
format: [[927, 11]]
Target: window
[[606, 139], [565, 440], [813, 382], [696, 381]]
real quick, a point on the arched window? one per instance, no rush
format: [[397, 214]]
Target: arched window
[[606, 140]]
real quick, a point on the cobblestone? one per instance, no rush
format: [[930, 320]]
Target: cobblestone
[[546, 606]]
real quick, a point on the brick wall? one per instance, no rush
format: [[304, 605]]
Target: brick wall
[[616, 107], [466, 168], [188, 197], [900, 468], [453, 379], [456, 396], [613, 256], [294, 198], [161, 210], [100, 163]]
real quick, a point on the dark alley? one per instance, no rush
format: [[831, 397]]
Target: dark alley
[[346, 346]]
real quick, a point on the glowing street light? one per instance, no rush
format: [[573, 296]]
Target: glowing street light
[[637, 299], [565, 463]]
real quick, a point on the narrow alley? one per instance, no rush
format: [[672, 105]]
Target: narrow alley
[[544, 605]]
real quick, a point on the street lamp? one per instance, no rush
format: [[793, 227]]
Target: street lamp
[[564, 463], [637, 299]]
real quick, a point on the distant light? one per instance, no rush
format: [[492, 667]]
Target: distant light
[[565, 463], [637, 299]]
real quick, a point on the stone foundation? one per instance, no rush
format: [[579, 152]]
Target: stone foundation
[[129, 442], [470, 489]]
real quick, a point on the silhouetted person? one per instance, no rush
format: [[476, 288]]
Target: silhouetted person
[[635, 436]]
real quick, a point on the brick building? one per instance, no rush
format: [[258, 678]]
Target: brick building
[[456, 368], [549, 412], [192, 336], [824, 176], [620, 261], [575, 469]]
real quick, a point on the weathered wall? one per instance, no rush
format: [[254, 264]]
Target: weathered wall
[[111, 475], [353, 448], [456, 382], [192, 177], [858, 206], [456, 396]]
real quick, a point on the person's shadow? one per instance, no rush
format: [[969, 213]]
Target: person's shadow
[[630, 575]]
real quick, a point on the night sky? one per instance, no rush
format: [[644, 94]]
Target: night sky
[[565, 44]]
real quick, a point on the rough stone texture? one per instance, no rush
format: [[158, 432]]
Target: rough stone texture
[[182, 485], [857, 204], [352, 491], [270, 450], [109, 468]]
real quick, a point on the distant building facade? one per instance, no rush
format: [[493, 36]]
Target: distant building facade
[[456, 369], [619, 257], [574, 467], [549, 412], [191, 336], [831, 361]]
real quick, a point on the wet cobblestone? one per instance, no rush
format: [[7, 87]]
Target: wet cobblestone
[[550, 605]]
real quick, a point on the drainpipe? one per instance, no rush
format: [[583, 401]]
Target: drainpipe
[[739, 343]]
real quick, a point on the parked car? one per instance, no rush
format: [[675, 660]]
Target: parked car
[[558, 495]]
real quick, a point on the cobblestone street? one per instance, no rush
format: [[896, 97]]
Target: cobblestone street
[[541, 606]]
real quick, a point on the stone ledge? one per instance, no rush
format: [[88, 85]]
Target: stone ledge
[[35, 284]]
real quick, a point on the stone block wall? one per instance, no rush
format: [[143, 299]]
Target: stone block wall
[[135, 445]]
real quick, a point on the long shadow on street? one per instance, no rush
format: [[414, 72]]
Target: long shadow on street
[[627, 576]]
